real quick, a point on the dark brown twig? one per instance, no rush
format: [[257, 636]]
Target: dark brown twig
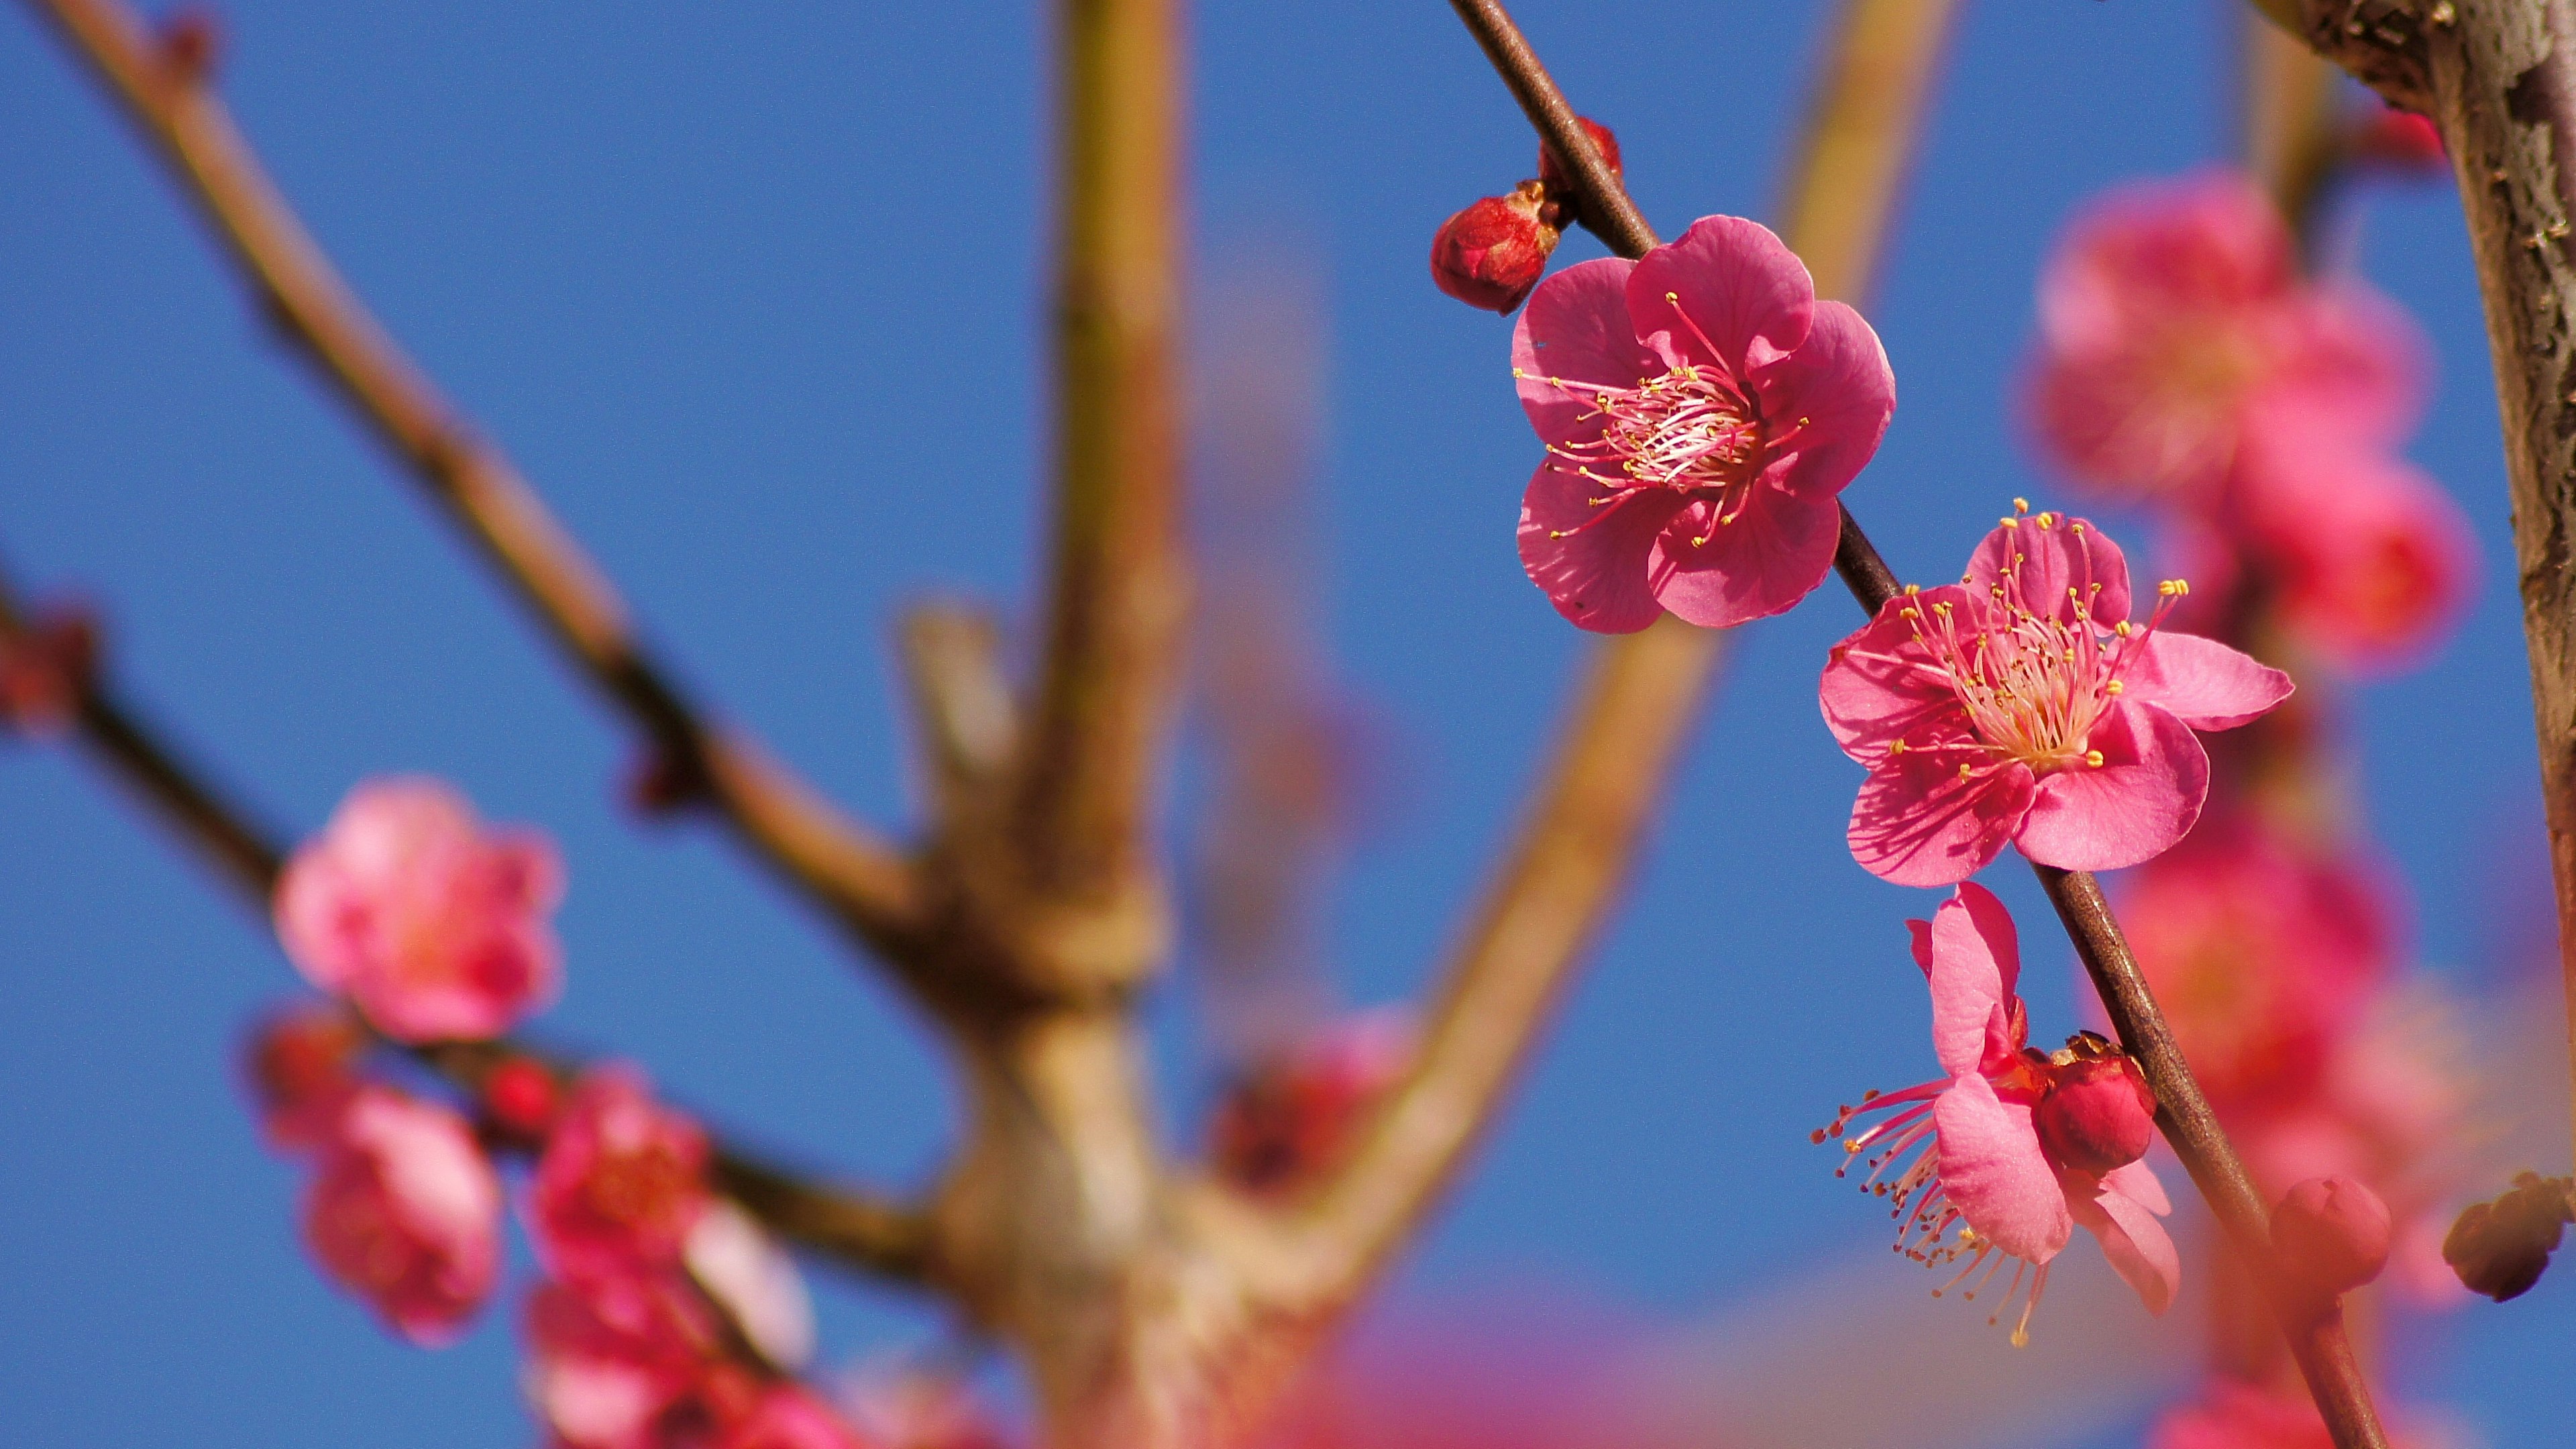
[[2321, 1346]]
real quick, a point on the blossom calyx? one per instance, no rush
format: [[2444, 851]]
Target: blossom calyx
[[1563, 190], [1491, 254], [2098, 1112], [2500, 1248], [2332, 1235]]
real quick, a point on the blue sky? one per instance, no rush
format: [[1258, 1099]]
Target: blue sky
[[754, 297]]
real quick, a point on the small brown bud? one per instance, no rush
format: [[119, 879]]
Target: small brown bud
[[2500, 1248], [662, 783], [1491, 254], [2332, 1235]]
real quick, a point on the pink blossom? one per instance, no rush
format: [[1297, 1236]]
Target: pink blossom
[[622, 1181], [433, 926], [1701, 410], [620, 1358], [1970, 1151], [2264, 952], [2022, 706], [302, 1064], [405, 1212], [2174, 312], [787, 1416]]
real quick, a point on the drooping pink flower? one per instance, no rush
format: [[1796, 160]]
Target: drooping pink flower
[[622, 1181], [1701, 410], [1964, 1152], [2174, 314], [2371, 560], [1294, 1115], [619, 1360], [431, 925], [788, 1416], [2022, 706], [405, 1211], [2264, 952]]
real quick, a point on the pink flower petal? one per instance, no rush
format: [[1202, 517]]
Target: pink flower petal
[[1881, 685], [2133, 807], [2204, 683], [2358, 362], [2212, 238], [1837, 393], [1917, 823], [1976, 963], [2135, 1243], [1774, 553], [2056, 556], [1593, 563], [1576, 327], [2139, 1183], [1995, 1173], [1729, 281]]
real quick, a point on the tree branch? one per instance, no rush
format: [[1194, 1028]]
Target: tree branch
[[1119, 590], [844, 1225], [2319, 1342], [860, 879], [1589, 816]]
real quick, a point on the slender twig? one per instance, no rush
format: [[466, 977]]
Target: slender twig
[[1589, 815], [859, 878], [844, 1225], [1118, 593], [2322, 1348]]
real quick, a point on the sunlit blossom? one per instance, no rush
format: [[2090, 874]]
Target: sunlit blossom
[[622, 1181], [405, 1211]]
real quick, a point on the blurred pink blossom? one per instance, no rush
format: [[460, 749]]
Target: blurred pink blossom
[[2022, 706], [431, 925], [788, 1416], [405, 1211], [1977, 1158], [2173, 318], [1295, 1114], [622, 1181], [302, 1063], [619, 1360], [1701, 410]]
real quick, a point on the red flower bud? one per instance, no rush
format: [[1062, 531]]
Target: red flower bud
[[2098, 1113], [44, 669], [2499, 1248], [1494, 252], [2332, 1235], [520, 1097], [191, 42], [2400, 141], [301, 1064], [1560, 179]]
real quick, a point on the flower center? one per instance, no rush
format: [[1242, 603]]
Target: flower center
[[1688, 430]]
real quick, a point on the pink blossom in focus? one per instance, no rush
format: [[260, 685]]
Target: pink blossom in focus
[[433, 926], [2022, 706], [1701, 410], [622, 1181], [1971, 1151], [787, 1416], [2264, 952], [2173, 315], [405, 1211], [619, 1359]]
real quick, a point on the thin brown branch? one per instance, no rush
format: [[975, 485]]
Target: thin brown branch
[[1590, 814], [845, 1225], [2319, 1343], [860, 879], [1117, 597]]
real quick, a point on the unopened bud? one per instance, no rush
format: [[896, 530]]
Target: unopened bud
[[520, 1098], [2499, 1248], [661, 783], [191, 42], [1494, 252], [2098, 1113], [301, 1063], [1558, 178], [2399, 141], [2332, 1235], [44, 669]]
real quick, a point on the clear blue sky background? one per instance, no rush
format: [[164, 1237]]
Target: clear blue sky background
[[753, 296]]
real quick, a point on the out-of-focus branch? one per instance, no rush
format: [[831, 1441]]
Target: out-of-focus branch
[[1117, 596], [862, 880], [2293, 129], [845, 1225], [1589, 815]]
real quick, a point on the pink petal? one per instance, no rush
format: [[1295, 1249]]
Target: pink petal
[[2206, 684], [2356, 360], [2139, 1183], [1917, 823], [1881, 684], [1773, 554], [1976, 962], [1833, 397], [1995, 1174], [1593, 563], [2135, 1243], [2056, 556], [1576, 327], [1728, 292], [2141, 799], [2210, 241]]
